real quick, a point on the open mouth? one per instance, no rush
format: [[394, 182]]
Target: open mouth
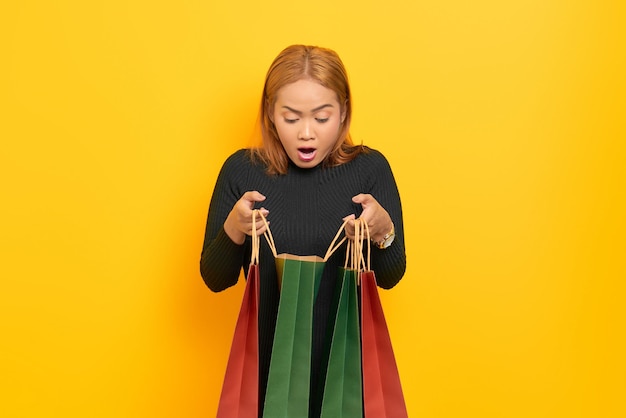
[[306, 154]]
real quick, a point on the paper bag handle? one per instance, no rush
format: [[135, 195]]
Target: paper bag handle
[[256, 241], [334, 245], [268, 233], [361, 235]]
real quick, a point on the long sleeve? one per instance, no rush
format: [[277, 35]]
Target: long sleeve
[[222, 259], [220, 263], [388, 264]]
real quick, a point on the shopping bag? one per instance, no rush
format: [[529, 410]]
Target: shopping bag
[[343, 385], [382, 388], [240, 390], [288, 385]]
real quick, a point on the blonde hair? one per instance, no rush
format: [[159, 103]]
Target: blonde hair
[[295, 63]]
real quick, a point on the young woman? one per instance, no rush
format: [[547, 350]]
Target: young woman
[[307, 178]]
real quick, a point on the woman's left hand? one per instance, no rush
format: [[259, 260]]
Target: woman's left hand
[[376, 217]]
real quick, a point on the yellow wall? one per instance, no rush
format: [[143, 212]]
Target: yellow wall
[[503, 120]]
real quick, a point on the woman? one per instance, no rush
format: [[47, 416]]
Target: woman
[[307, 178]]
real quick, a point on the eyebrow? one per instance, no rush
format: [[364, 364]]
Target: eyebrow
[[317, 109]]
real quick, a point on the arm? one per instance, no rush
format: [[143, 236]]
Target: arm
[[382, 209], [221, 260], [226, 250]]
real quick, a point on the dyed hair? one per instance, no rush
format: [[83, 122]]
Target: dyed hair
[[295, 63]]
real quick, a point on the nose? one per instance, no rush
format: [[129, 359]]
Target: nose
[[306, 131]]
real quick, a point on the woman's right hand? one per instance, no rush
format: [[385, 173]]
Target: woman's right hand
[[238, 224]]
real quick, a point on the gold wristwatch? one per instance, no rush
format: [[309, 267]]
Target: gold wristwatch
[[387, 239]]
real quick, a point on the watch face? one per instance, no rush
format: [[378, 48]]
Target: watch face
[[386, 242]]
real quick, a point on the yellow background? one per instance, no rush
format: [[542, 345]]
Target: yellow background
[[504, 124]]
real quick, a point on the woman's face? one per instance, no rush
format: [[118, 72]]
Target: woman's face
[[308, 119]]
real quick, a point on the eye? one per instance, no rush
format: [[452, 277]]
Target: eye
[[290, 120], [322, 120]]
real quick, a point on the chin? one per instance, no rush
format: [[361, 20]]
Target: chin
[[309, 164]]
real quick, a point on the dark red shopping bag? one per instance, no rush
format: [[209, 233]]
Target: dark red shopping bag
[[382, 389], [240, 391]]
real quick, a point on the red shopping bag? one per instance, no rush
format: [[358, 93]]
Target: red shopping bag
[[382, 389], [240, 391]]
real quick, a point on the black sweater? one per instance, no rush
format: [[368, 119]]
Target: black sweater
[[306, 207]]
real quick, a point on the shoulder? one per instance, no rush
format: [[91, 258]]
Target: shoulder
[[373, 159], [241, 172], [238, 158], [236, 166], [241, 159], [372, 154]]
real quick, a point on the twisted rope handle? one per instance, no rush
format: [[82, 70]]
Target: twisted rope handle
[[256, 244], [334, 245], [368, 239], [361, 236], [348, 255], [268, 233], [357, 246]]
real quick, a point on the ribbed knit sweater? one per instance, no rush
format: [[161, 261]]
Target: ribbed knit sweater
[[306, 208]]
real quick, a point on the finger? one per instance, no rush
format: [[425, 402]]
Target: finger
[[260, 230], [251, 197], [353, 216], [362, 199], [349, 228], [260, 219]]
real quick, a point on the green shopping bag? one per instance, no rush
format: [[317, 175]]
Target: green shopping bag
[[343, 388], [288, 386]]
